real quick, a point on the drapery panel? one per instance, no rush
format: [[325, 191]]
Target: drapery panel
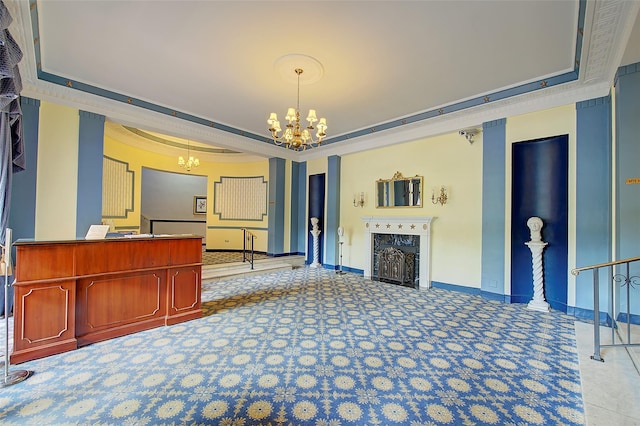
[[12, 157]]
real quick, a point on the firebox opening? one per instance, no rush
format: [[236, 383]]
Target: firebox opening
[[396, 259]]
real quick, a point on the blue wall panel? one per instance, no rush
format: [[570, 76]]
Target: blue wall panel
[[593, 195], [302, 211], [22, 218], [627, 171], [297, 236], [333, 212], [493, 203], [275, 243], [90, 153], [295, 208]]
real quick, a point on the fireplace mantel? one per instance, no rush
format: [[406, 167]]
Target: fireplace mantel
[[404, 225]]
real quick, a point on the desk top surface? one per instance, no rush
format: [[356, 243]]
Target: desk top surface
[[133, 237]]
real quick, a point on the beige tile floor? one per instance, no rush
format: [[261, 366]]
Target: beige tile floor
[[610, 389]]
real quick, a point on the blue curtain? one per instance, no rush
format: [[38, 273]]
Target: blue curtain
[[12, 157]]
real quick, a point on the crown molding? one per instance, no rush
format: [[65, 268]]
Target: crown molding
[[607, 27]]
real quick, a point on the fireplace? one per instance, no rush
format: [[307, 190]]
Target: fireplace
[[410, 236]]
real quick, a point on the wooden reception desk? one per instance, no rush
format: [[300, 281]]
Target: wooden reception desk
[[72, 293]]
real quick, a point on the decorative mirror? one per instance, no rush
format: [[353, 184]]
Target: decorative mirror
[[399, 191]]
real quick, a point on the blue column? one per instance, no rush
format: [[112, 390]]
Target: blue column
[[90, 153], [275, 243], [627, 174], [333, 212], [627, 160], [22, 218], [593, 198], [297, 236], [493, 204]]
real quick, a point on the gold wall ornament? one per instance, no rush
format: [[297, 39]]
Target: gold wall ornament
[[399, 191]]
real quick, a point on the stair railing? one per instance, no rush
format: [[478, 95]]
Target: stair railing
[[625, 279], [247, 246]]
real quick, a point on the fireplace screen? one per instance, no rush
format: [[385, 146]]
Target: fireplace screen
[[396, 266], [406, 252]]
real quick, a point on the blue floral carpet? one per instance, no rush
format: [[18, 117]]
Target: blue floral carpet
[[309, 347]]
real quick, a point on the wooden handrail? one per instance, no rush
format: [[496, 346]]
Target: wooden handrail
[[576, 271]]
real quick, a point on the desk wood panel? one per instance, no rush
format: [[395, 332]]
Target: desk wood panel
[[131, 299], [184, 294], [45, 262], [184, 252], [54, 305], [123, 255]]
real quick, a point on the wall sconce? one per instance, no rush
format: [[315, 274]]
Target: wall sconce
[[442, 198], [358, 202]]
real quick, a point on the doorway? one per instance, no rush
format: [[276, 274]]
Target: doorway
[[540, 182], [316, 209]]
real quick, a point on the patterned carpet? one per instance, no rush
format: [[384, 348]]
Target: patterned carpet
[[309, 347], [218, 257]]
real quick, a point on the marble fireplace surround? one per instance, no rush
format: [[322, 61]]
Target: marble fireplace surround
[[402, 225]]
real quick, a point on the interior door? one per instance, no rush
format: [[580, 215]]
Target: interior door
[[316, 209], [540, 188]]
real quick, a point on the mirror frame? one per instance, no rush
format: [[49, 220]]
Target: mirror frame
[[386, 188]]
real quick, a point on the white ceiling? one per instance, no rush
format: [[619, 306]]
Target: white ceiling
[[382, 60]]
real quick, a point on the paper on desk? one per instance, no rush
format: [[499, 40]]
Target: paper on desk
[[97, 232]]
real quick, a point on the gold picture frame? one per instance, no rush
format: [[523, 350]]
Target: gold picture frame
[[200, 204]]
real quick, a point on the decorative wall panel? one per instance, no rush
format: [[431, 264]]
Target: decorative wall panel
[[117, 188], [240, 198]]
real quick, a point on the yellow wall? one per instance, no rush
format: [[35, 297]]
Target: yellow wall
[[57, 183], [443, 160], [447, 160], [231, 239], [221, 234]]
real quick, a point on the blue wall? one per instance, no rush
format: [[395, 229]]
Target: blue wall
[[493, 205], [22, 218], [275, 243], [90, 153], [628, 167], [593, 198], [333, 212], [297, 237]]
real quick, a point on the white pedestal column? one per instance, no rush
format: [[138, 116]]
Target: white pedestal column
[[315, 232], [536, 245]]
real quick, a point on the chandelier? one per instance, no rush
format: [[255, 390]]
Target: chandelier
[[294, 136], [190, 162]]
